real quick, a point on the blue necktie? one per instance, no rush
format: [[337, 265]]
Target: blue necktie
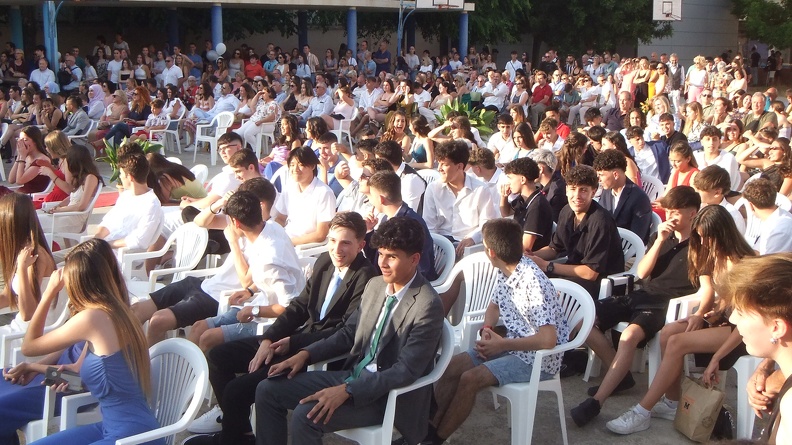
[[331, 289]]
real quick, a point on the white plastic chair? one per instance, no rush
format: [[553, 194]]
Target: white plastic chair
[[444, 257], [266, 135], [652, 186], [220, 124], [634, 250], [179, 381], [93, 125], [10, 343], [381, 434], [174, 159], [344, 128], [171, 130], [190, 243], [577, 307], [201, 173], [745, 367], [655, 225], [312, 249], [429, 175], [53, 232], [282, 175], [480, 278]]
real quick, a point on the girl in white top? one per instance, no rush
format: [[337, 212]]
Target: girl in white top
[[25, 257], [82, 175]]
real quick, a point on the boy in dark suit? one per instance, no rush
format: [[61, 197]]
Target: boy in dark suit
[[331, 295], [392, 340]]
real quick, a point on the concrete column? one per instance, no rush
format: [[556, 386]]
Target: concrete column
[[173, 28], [302, 29], [351, 31], [49, 16], [463, 34], [217, 24], [409, 33], [15, 23]]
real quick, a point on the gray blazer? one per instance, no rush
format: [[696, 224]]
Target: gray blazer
[[77, 123], [408, 349]]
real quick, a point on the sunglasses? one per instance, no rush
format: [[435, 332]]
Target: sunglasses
[[706, 95]]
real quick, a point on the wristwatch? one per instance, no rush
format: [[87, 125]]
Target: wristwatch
[[550, 267], [255, 311]]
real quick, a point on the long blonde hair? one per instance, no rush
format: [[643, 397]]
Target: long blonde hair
[[19, 227], [93, 280]]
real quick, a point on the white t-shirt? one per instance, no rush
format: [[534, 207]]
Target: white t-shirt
[[223, 182], [306, 209], [725, 160], [114, 67], [135, 218]]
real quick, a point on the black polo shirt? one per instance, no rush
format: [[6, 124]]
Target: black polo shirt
[[595, 242], [533, 215], [669, 277], [613, 120]]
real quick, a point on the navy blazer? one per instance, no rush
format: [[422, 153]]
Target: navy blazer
[[301, 322], [634, 211], [426, 264]]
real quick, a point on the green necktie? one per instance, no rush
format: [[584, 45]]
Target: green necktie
[[389, 303]]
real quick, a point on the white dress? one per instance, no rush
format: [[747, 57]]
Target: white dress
[[66, 224]]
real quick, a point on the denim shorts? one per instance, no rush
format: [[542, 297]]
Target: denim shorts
[[507, 368], [231, 327]]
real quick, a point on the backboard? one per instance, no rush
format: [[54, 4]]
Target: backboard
[[441, 5], [666, 10]]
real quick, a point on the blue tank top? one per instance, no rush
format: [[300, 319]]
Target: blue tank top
[[125, 411]]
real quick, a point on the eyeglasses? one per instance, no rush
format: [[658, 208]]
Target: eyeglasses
[[169, 60], [365, 177]]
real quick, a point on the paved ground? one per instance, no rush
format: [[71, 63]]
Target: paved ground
[[487, 425]]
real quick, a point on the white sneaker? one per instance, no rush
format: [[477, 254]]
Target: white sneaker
[[663, 411], [209, 422], [629, 422]]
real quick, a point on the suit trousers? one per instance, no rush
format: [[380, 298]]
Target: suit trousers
[[276, 396], [235, 394]]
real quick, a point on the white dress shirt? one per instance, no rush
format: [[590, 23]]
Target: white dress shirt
[[462, 215], [318, 106]]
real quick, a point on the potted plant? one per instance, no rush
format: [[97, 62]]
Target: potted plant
[[481, 119], [111, 154]]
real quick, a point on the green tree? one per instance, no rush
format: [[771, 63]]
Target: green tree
[[767, 21]]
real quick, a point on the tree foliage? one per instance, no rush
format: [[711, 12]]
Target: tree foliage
[[767, 21]]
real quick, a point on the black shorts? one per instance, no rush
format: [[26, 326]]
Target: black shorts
[[614, 310], [188, 302]]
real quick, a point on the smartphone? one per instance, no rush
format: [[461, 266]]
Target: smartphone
[[55, 377]]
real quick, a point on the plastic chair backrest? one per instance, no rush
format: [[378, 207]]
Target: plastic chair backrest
[[655, 225], [429, 175], [632, 247], [224, 120], [191, 243], [783, 202], [753, 225], [307, 265], [652, 186], [179, 375], [174, 159], [577, 307], [480, 280], [201, 173], [445, 255]]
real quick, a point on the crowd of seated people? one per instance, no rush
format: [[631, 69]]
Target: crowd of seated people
[[565, 169]]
